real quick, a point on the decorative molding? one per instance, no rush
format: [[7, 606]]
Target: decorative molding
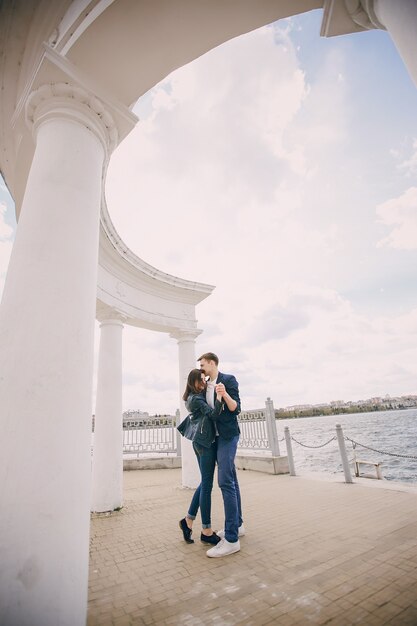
[[342, 17], [127, 120], [108, 305], [73, 102], [363, 14], [112, 319], [76, 21], [52, 68], [53, 38], [183, 336]]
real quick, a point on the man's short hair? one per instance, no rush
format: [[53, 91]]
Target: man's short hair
[[209, 356]]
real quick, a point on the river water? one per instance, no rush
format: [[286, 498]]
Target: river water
[[388, 431]]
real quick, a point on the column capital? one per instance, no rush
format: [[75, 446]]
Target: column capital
[[343, 17], [69, 101], [362, 12], [185, 335], [108, 317], [112, 321]]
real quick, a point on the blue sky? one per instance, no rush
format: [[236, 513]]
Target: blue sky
[[280, 167]]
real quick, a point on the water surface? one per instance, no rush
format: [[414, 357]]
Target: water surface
[[388, 431]]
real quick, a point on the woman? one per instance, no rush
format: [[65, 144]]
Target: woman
[[205, 450]]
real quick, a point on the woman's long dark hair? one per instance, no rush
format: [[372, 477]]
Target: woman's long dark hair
[[193, 378]]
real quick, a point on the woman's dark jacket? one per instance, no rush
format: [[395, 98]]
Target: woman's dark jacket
[[205, 415]]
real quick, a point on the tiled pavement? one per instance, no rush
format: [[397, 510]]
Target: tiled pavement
[[315, 553]]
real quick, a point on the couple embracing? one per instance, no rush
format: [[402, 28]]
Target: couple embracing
[[213, 399]]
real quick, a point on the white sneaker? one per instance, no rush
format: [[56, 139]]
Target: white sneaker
[[242, 532], [224, 548]]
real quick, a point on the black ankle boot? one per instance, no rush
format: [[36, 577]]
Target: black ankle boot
[[213, 539], [187, 532]]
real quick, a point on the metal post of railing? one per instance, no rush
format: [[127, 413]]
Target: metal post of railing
[[177, 422], [289, 451], [271, 427], [343, 453], [355, 463]]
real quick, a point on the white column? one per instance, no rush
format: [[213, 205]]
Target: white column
[[187, 362], [107, 479], [46, 362], [400, 19]]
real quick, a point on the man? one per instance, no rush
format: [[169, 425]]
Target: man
[[225, 386]]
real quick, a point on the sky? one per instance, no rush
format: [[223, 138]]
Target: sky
[[281, 168]]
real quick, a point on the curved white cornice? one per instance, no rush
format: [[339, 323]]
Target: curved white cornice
[[140, 293], [133, 264]]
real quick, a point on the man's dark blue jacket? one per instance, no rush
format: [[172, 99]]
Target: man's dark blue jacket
[[226, 422]]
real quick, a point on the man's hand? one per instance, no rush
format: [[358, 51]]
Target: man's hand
[[220, 390]]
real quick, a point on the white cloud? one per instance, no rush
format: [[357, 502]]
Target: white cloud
[[339, 354], [213, 143], [400, 214]]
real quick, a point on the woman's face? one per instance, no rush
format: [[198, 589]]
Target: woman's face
[[200, 384]]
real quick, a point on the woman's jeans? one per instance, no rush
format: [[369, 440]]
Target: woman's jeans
[[228, 483], [206, 458]]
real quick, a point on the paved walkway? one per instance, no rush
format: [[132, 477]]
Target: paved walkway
[[315, 553]]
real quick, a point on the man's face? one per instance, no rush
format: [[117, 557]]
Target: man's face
[[207, 367]]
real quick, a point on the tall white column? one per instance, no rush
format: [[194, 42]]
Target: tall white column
[[107, 481], [187, 362], [46, 363], [400, 20]]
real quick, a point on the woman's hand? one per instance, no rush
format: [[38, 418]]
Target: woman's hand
[[222, 393]]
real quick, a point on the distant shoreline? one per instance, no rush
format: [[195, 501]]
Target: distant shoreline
[[333, 411]]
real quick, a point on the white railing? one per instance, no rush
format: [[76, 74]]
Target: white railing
[[155, 434], [253, 431], [158, 434], [258, 430]]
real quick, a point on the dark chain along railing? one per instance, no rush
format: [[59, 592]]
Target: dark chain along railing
[[362, 445], [396, 454], [341, 438], [322, 445]]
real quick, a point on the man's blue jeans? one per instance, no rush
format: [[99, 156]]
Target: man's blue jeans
[[206, 458], [228, 483]]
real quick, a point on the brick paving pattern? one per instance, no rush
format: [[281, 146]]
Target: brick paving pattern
[[315, 553]]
